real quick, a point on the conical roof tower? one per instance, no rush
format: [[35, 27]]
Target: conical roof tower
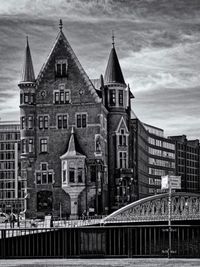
[[28, 71]]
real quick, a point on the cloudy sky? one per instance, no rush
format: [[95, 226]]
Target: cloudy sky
[[157, 41]]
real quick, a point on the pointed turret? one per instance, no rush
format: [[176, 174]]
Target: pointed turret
[[28, 71], [113, 72], [72, 147]]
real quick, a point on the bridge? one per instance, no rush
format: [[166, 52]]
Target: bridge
[[137, 230], [184, 207]]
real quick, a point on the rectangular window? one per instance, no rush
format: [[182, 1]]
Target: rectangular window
[[64, 121], [30, 122], [58, 70], [78, 122], [122, 160], [64, 176], [30, 146], [24, 146], [23, 124], [44, 178], [64, 69], [46, 122], [61, 97], [50, 178], [26, 98], [93, 173], [120, 97], [43, 145], [59, 122], [112, 97], [71, 175], [40, 122], [81, 120], [44, 166], [67, 98], [80, 175], [38, 178], [56, 97]]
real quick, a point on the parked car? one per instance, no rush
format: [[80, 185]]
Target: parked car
[[4, 217]]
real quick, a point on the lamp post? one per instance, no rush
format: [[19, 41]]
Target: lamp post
[[169, 219]]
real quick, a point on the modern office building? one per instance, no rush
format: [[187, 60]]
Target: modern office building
[[153, 156], [188, 163], [12, 187]]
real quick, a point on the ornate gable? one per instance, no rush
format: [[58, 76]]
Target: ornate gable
[[63, 56]]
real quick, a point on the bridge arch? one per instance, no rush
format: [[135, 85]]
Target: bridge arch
[[184, 206]]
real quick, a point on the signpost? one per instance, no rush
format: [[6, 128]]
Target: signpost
[[170, 182]]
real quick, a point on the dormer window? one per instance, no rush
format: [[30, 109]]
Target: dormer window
[[61, 68]]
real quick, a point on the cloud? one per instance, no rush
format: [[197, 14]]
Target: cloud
[[157, 42]]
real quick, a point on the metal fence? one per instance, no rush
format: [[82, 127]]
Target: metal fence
[[100, 241]]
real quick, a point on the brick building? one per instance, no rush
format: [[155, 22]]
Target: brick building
[[74, 134]]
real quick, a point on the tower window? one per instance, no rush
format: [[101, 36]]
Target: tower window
[[121, 101], [122, 138], [23, 122], [30, 122], [112, 97], [26, 98], [123, 160], [81, 120], [80, 175]]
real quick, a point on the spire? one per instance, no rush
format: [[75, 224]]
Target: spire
[[113, 72], [28, 71], [72, 147], [60, 25]]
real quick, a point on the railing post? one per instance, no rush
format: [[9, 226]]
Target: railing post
[[3, 249]]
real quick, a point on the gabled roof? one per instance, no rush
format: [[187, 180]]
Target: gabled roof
[[113, 72], [28, 71], [72, 148], [122, 124], [87, 81]]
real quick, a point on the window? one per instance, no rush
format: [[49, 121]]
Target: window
[[62, 96], [24, 146], [26, 98], [44, 175], [122, 138], [62, 121], [43, 145], [71, 175], [43, 122], [121, 98], [64, 176], [81, 120], [80, 175], [93, 173], [23, 122], [112, 97], [123, 160], [61, 68], [30, 122], [30, 146]]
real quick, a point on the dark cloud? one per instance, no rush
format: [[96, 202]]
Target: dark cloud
[[157, 41]]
